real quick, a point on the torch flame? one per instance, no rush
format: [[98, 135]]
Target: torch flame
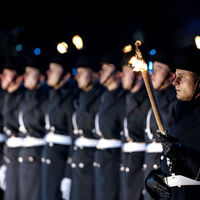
[[138, 65]]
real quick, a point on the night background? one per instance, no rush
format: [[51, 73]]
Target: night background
[[103, 25]]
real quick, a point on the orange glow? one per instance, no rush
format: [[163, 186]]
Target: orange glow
[[197, 42], [128, 48], [78, 42]]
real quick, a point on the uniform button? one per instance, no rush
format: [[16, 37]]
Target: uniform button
[[8, 132], [20, 160], [122, 168], [155, 166], [81, 165], [75, 148], [162, 157], [144, 166], [7, 160], [30, 158], [48, 161], [127, 169], [94, 164], [73, 165], [80, 131], [98, 165], [51, 144], [43, 160]]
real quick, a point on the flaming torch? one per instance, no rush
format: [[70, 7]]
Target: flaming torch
[[138, 64]]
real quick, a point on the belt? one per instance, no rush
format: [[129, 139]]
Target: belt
[[85, 142], [58, 139], [179, 180], [2, 138], [133, 147], [154, 147], [13, 142], [109, 143], [32, 141]]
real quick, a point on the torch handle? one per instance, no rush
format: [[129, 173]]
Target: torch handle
[[153, 102]]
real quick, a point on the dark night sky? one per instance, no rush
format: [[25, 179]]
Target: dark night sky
[[101, 24]]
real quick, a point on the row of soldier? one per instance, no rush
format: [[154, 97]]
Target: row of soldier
[[88, 137]]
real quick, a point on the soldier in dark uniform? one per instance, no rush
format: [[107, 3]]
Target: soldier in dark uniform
[[133, 148], [58, 120], [179, 177], [109, 125], [83, 124], [13, 97], [2, 143], [32, 129], [162, 79]]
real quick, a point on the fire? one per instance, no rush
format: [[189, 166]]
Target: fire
[[138, 65]]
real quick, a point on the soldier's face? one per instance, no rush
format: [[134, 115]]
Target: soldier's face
[[7, 78], [54, 74], [127, 77], [31, 77], [106, 70], [185, 84], [159, 74], [83, 77]]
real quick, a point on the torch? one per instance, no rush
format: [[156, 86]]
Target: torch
[[138, 64]]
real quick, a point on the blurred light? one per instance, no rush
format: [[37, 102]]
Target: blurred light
[[197, 41], [128, 48], [62, 47], [150, 67], [37, 51], [74, 71], [19, 47], [78, 42], [152, 52]]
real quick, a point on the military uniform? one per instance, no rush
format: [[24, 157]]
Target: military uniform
[[58, 140], [14, 142], [2, 135], [185, 160], [32, 129], [133, 149], [85, 144], [166, 99], [109, 125]]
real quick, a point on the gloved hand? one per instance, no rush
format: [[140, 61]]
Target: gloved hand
[[3, 170], [156, 186], [65, 188], [168, 143]]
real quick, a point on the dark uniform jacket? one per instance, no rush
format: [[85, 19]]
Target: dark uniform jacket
[[88, 107], [166, 100], [60, 109], [11, 111], [137, 105], [185, 153], [33, 108], [111, 113]]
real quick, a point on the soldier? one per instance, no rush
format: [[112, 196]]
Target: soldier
[[162, 79], [83, 124], [133, 149], [2, 143], [179, 177], [58, 120], [32, 129], [13, 70], [109, 125]]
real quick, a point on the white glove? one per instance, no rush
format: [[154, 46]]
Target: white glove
[[65, 188], [3, 170]]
